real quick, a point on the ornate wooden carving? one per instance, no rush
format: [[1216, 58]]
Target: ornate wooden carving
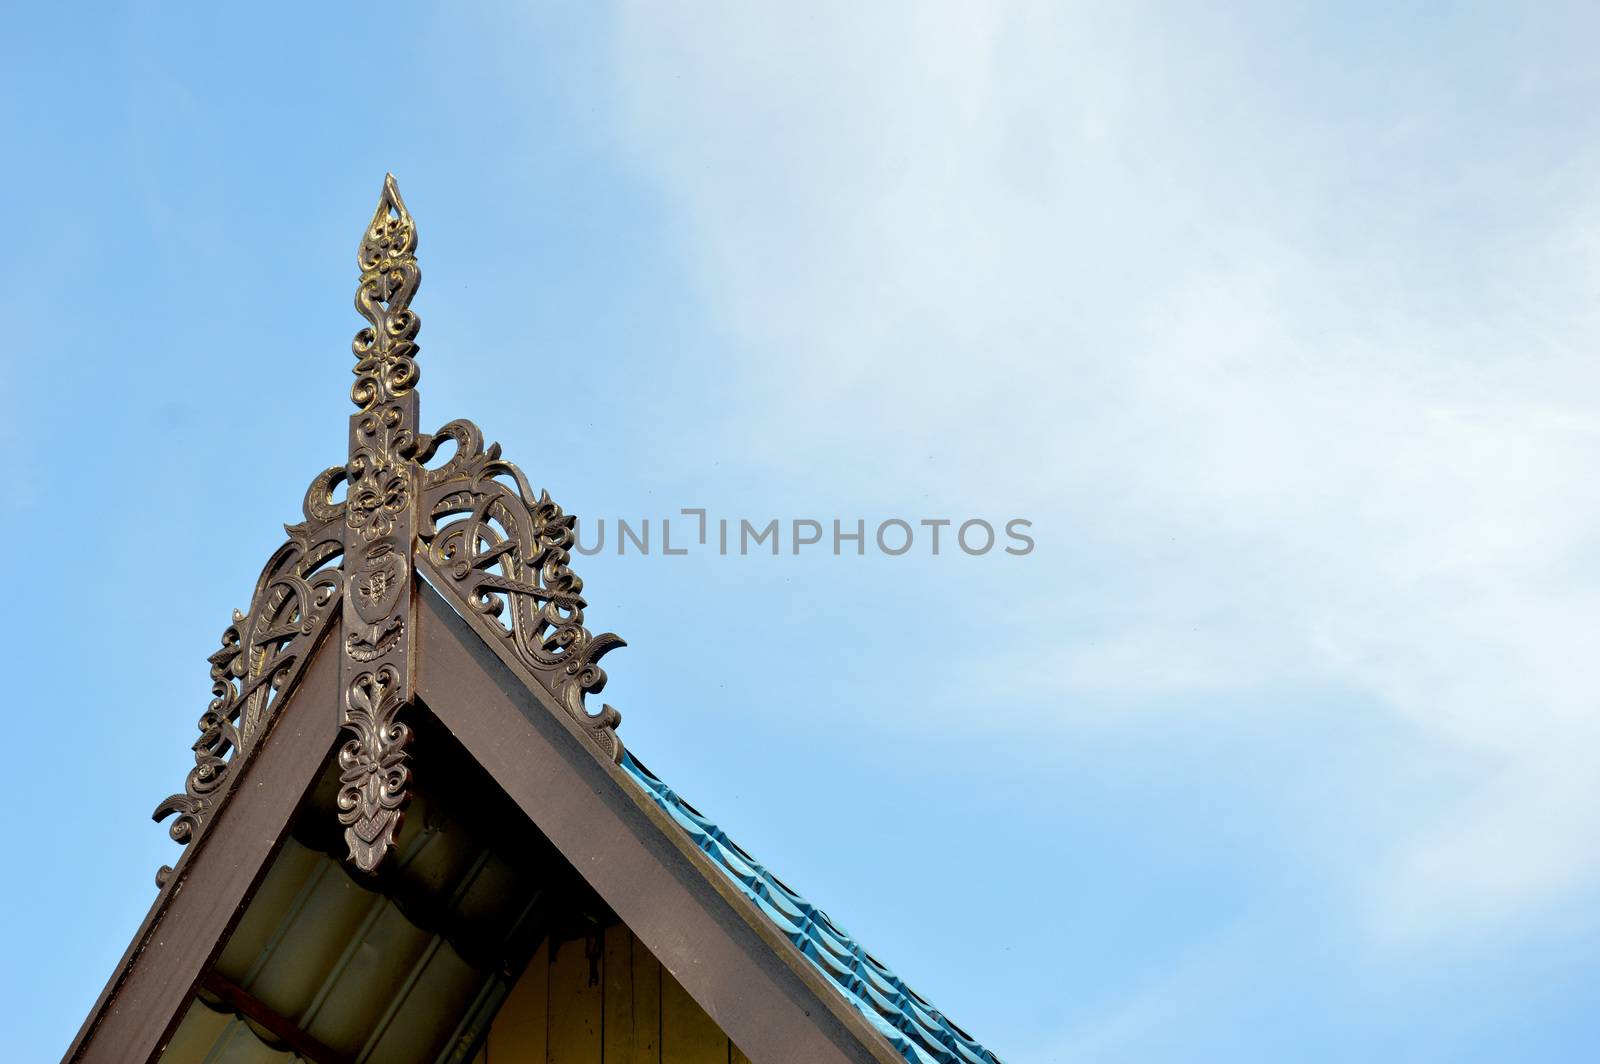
[[373, 772], [380, 516], [386, 350], [505, 552], [263, 652], [493, 546]]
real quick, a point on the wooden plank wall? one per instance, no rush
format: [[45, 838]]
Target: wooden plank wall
[[636, 1013]]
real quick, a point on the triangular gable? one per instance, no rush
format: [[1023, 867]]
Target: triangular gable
[[439, 590]]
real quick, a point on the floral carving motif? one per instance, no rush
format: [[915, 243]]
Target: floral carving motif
[[383, 493], [373, 773], [379, 475]]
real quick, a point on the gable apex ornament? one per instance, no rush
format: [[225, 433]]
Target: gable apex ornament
[[471, 526]]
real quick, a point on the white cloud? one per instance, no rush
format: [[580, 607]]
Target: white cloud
[[1301, 338]]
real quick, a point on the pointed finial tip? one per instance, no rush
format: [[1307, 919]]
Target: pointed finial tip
[[390, 196]]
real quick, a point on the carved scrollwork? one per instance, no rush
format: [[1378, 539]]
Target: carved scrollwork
[[320, 507], [373, 773], [262, 653], [502, 546], [380, 489], [386, 350], [380, 514]]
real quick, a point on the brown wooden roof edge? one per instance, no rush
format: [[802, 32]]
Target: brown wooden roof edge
[[211, 884], [481, 706]]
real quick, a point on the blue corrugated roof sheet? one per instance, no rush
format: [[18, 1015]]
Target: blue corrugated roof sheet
[[915, 1028]]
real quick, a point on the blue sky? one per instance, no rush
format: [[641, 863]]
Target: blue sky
[[1278, 321]]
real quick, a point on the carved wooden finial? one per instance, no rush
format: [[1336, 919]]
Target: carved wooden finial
[[380, 519], [498, 550], [386, 350]]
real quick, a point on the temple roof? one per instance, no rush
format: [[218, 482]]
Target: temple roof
[[428, 613]]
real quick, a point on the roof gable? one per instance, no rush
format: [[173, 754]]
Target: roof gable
[[438, 589]]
